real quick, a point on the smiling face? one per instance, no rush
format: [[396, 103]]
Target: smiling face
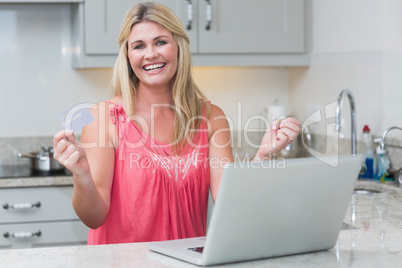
[[152, 52]]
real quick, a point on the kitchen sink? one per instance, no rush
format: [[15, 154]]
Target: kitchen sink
[[366, 191]]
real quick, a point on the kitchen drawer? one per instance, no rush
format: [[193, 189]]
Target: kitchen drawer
[[46, 234], [48, 204]]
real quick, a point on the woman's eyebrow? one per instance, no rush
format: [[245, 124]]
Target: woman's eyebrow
[[137, 41]]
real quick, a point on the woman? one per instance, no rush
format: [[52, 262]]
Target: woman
[[157, 147]]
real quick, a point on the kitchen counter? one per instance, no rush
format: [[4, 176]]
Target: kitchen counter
[[371, 237], [23, 176], [36, 181]]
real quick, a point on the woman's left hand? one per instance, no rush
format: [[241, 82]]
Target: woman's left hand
[[277, 137]]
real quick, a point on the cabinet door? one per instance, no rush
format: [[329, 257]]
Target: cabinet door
[[36, 204], [252, 26], [103, 20], [43, 234]]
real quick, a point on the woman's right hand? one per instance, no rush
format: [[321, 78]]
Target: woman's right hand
[[69, 152]]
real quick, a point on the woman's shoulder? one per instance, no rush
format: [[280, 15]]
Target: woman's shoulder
[[105, 106], [215, 111], [217, 118], [117, 100]]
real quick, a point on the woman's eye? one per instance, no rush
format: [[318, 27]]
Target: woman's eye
[[141, 46], [161, 43]]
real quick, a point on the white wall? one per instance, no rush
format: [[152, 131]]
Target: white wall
[[38, 82], [392, 64], [244, 92], [356, 45]]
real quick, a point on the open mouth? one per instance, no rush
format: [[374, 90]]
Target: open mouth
[[154, 67]]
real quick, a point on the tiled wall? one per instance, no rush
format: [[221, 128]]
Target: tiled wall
[[10, 147]]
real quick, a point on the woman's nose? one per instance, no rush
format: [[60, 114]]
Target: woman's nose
[[150, 52]]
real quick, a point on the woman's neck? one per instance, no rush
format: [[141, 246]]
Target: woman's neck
[[148, 98]]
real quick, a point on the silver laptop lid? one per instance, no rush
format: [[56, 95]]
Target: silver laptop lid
[[280, 207]]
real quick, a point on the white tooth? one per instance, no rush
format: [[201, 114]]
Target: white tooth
[[153, 66]]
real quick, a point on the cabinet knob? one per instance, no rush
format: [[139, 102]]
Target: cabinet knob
[[21, 206], [22, 234]]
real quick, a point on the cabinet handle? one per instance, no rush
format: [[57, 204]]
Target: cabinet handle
[[22, 234], [208, 15], [190, 14], [20, 206]]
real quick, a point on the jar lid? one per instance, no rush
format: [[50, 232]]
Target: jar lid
[[366, 128]]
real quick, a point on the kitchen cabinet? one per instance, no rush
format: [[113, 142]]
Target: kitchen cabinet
[[221, 32], [39, 217], [253, 26]]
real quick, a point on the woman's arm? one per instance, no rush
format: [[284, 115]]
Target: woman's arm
[[92, 164], [220, 149]]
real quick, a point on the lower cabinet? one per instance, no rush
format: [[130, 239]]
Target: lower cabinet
[[47, 234], [39, 217]]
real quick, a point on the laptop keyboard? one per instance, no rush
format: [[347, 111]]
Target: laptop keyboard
[[197, 249]]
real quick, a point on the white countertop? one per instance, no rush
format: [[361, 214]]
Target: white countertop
[[372, 237]]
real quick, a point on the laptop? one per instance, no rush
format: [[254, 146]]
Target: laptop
[[272, 208]]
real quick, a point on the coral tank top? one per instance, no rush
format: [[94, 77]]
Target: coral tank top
[[156, 195]]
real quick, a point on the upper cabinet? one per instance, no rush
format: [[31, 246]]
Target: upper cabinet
[[221, 32], [252, 26]]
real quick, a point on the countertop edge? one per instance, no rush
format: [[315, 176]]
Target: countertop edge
[[68, 181], [36, 181]]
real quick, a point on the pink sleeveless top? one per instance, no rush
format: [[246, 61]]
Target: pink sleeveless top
[[156, 195]]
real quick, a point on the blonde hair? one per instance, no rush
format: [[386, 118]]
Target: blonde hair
[[186, 95]]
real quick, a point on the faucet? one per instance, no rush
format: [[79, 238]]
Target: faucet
[[353, 115], [384, 135]]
